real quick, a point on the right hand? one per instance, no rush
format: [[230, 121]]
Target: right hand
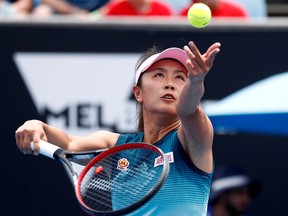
[[30, 131]]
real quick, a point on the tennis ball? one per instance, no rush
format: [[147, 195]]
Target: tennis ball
[[199, 15]]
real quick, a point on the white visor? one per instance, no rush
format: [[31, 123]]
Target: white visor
[[173, 53]]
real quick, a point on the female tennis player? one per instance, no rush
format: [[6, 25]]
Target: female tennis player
[[168, 88]]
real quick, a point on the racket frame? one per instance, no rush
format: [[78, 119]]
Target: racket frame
[[55, 152], [52, 151], [147, 196]]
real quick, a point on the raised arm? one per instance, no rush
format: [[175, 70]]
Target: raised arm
[[196, 131]]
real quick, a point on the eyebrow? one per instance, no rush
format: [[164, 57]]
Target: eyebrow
[[163, 69]]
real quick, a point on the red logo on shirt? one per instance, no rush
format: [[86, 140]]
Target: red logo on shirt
[[159, 160]]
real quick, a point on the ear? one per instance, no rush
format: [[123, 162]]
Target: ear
[[137, 93]]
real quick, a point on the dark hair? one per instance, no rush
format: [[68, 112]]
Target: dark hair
[[149, 52]]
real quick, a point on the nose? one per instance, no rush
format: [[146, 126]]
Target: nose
[[169, 86]]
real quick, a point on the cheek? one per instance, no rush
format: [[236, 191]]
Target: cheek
[[148, 92], [144, 94]]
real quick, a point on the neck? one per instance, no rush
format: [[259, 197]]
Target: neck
[[154, 132]]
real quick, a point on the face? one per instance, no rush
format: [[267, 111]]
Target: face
[[161, 86], [237, 201]]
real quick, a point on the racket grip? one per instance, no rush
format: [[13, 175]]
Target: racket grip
[[46, 148]]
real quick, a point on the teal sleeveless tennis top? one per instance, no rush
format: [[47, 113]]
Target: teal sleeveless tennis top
[[186, 190]]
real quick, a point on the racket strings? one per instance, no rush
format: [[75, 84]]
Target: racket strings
[[121, 183], [104, 202]]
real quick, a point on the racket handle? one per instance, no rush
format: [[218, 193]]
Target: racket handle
[[46, 148]]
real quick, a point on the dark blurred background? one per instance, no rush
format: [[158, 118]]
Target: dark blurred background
[[251, 51]]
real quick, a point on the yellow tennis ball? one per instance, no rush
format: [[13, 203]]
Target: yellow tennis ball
[[199, 15]]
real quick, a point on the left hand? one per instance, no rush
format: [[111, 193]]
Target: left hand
[[199, 64]]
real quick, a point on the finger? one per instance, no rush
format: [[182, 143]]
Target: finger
[[193, 74], [189, 66], [19, 143], [215, 46], [36, 143], [198, 56], [20, 140], [25, 144], [192, 65], [211, 56], [194, 48], [191, 56], [17, 138]]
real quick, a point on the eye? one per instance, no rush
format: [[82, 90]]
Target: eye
[[180, 77], [159, 75]]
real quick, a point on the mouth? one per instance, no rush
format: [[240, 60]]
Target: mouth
[[168, 97]]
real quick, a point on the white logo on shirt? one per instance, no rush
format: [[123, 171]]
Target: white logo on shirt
[[159, 160]]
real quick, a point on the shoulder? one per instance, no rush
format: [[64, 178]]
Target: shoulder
[[129, 138]]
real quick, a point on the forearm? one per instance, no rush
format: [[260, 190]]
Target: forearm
[[190, 98], [57, 136], [196, 124]]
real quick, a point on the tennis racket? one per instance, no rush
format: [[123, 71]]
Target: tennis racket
[[113, 181]]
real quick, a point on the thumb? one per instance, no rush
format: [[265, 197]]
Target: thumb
[[36, 142]]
